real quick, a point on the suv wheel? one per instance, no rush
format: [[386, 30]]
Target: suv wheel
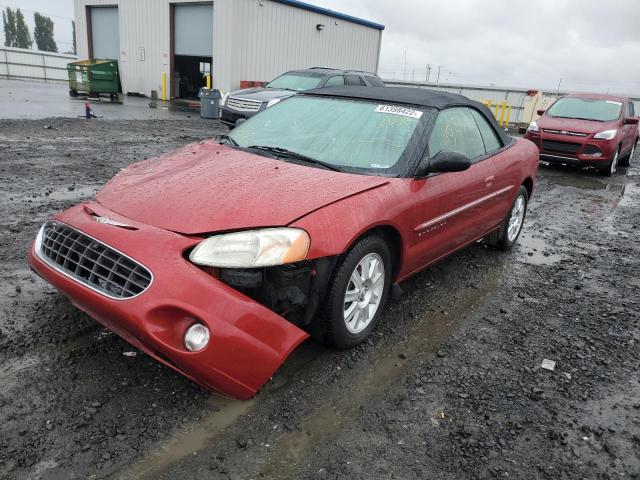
[[626, 161], [612, 167]]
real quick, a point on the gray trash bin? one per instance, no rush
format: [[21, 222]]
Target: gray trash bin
[[209, 103]]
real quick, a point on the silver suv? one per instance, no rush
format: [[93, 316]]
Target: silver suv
[[247, 102]]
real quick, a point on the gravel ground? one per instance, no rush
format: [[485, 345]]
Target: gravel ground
[[450, 386]]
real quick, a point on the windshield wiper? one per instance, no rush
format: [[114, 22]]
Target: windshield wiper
[[283, 152], [229, 140]]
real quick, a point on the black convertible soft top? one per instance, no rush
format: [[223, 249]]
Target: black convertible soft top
[[422, 97]]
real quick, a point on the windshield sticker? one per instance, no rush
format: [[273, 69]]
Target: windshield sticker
[[396, 110], [614, 103]]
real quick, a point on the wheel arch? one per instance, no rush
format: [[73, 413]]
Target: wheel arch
[[391, 235]]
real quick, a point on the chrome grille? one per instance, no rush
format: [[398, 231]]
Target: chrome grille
[[565, 132], [243, 105], [91, 262]]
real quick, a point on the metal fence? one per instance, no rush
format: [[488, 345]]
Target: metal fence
[[22, 63], [516, 98]]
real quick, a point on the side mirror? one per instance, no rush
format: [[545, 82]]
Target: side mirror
[[541, 111], [631, 121], [444, 162]]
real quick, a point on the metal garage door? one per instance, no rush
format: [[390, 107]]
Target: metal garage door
[[105, 33], [193, 24]]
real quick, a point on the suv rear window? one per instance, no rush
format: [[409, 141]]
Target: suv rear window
[[374, 81], [353, 80]]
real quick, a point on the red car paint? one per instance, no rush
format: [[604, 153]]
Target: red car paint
[[210, 189], [563, 131], [222, 194]]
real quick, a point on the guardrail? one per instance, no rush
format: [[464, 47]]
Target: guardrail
[[22, 63], [511, 102]]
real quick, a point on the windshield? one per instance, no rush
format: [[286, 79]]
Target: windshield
[[360, 136], [586, 108], [295, 81]]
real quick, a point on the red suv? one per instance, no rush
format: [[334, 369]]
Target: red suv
[[598, 131]]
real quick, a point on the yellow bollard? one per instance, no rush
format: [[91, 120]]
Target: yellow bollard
[[495, 111], [502, 112], [164, 86], [208, 82], [508, 115]]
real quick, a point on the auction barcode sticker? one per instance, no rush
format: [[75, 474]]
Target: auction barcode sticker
[[396, 110]]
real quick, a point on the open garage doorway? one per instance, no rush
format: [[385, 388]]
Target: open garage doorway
[[192, 47]]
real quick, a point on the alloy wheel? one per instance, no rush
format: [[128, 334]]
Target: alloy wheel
[[516, 218], [613, 167], [364, 293]]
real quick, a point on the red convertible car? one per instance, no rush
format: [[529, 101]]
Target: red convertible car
[[587, 130], [220, 258]]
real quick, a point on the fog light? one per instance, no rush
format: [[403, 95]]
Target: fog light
[[196, 338]]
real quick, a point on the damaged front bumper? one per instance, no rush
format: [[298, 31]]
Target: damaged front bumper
[[248, 341]]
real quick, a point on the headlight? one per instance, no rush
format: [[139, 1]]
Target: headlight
[[533, 127], [272, 102], [223, 100], [253, 248], [606, 135]]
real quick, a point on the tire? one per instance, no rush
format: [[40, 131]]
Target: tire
[[502, 238], [612, 166], [332, 327], [626, 161]]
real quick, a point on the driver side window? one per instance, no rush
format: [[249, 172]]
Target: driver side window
[[455, 130]]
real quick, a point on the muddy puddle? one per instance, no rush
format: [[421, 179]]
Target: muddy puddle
[[535, 250], [222, 413], [327, 420]]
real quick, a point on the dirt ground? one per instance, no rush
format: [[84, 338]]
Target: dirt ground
[[449, 387]]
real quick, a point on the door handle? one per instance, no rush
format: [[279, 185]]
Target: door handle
[[489, 181]]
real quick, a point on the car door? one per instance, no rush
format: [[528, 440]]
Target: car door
[[450, 208], [507, 173]]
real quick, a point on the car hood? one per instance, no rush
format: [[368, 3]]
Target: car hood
[[574, 124], [208, 187], [261, 94]]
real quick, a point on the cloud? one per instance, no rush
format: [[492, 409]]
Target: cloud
[[590, 44]]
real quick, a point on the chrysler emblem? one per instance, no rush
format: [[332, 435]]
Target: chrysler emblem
[[108, 221]]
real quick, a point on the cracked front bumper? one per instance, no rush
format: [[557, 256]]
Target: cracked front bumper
[[248, 341]]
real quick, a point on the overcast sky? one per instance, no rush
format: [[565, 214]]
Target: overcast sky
[[590, 44]]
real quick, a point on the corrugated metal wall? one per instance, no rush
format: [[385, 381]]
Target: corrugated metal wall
[[250, 41], [34, 64]]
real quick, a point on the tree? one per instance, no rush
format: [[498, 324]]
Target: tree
[[43, 33], [23, 37], [9, 23], [73, 26]]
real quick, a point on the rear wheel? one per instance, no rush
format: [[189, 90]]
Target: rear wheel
[[507, 234], [612, 167], [357, 294]]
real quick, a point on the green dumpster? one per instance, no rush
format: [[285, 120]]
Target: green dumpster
[[94, 77]]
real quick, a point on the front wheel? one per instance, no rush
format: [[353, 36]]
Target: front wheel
[[612, 167], [626, 161], [357, 294], [507, 234]]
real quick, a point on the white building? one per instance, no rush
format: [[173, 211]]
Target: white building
[[234, 40]]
